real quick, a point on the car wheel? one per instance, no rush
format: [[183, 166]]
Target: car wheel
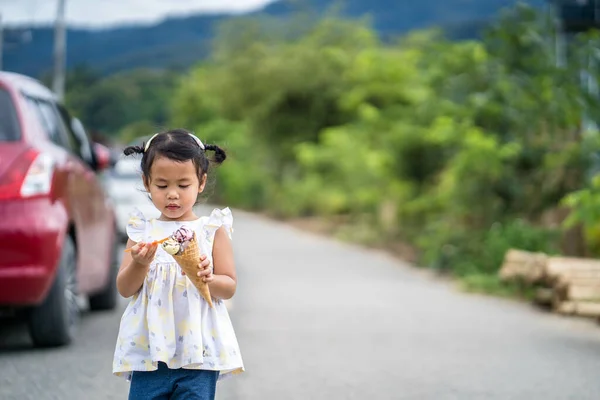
[[107, 299], [54, 322]]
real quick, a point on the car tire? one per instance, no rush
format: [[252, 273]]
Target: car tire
[[54, 322], [108, 298]]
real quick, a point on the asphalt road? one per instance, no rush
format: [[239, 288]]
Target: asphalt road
[[318, 319]]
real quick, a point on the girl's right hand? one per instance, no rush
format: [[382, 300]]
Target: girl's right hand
[[143, 253]]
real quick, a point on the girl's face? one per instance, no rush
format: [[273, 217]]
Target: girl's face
[[174, 188]]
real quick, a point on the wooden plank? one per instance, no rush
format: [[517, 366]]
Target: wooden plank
[[566, 281], [565, 307], [559, 265], [580, 308], [523, 257], [523, 265], [563, 268], [589, 293], [544, 296], [587, 309]]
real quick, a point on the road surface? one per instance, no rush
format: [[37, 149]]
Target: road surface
[[318, 319]]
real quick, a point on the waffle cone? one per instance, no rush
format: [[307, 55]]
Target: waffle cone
[[188, 261]]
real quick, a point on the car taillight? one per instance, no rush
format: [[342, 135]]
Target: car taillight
[[31, 175]]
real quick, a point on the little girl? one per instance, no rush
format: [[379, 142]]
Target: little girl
[[171, 344]]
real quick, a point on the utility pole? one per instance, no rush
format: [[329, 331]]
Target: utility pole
[[1, 42], [60, 39], [560, 39]]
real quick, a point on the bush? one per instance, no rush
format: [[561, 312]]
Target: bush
[[454, 147], [482, 252]]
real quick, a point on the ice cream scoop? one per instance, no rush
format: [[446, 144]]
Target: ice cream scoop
[[171, 246], [183, 234]]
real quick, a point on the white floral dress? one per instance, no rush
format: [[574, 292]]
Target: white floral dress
[[168, 320]]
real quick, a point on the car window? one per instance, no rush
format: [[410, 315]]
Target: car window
[[52, 122], [9, 123], [48, 120], [77, 137]]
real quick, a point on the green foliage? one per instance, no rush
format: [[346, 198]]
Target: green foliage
[[240, 180], [475, 252], [132, 132], [585, 211], [458, 148], [492, 285], [108, 105]]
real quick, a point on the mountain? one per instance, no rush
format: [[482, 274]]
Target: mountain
[[180, 42]]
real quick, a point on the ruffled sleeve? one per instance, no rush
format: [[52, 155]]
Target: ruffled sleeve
[[217, 219], [136, 226]]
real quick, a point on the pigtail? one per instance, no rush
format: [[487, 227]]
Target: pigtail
[[133, 150], [220, 155]]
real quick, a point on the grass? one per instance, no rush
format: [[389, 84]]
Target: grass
[[492, 285]]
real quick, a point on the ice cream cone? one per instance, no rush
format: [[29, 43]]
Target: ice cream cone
[[188, 260]]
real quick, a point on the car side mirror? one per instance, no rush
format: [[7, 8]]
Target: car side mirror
[[103, 157]]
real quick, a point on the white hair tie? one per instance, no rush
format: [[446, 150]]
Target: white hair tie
[[156, 134]]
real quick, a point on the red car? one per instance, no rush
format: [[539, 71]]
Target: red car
[[57, 226]]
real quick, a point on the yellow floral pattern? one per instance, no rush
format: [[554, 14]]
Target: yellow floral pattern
[[168, 320]]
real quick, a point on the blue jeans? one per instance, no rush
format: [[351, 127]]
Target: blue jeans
[[173, 384]]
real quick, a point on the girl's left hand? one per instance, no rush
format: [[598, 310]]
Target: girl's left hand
[[206, 274], [205, 269]]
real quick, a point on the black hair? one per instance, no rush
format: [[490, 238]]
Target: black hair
[[177, 145]]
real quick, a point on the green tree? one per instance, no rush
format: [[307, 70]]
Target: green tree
[[108, 104], [459, 148]]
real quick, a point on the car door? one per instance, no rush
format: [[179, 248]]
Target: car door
[[98, 217], [93, 251]]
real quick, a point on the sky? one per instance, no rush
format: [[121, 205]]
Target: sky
[[100, 13]]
